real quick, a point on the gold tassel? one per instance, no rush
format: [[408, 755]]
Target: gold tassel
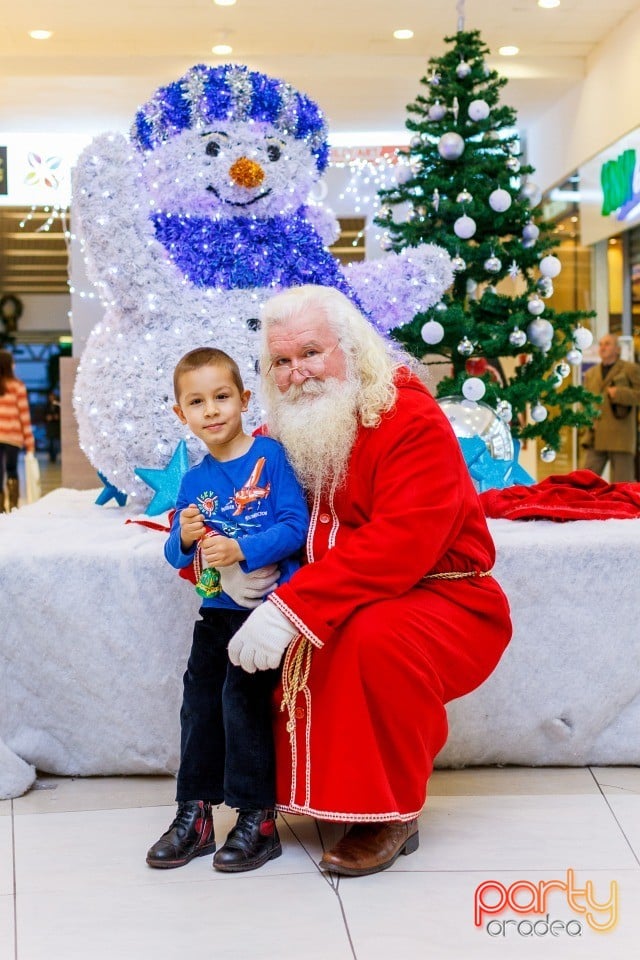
[[295, 673]]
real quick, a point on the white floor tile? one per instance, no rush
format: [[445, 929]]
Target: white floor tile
[[507, 781], [59, 794], [409, 916], [6, 857], [516, 832], [7, 939], [5, 808], [614, 780], [626, 809], [243, 917], [106, 849]]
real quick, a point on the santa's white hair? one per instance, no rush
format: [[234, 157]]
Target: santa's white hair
[[317, 420], [371, 359]]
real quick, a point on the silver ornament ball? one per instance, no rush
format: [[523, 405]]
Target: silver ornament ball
[[458, 264], [465, 347], [539, 413], [517, 337], [463, 70], [493, 264], [535, 306], [504, 410], [478, 419], [548, 454]]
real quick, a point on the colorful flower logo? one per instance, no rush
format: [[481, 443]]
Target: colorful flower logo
[[42, 172]]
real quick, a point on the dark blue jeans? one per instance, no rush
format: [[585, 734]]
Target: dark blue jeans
[[226, 721], [8, 462]]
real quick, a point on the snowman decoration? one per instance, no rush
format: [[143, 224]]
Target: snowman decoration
[[187, 228]]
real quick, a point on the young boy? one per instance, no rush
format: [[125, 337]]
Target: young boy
[[241, 504]]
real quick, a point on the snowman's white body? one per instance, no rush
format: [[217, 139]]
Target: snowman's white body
[[170, 240]]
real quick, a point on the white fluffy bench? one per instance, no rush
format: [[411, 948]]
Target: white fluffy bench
[[95, 629]]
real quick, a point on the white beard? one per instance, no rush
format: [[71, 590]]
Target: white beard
[[316, 422]]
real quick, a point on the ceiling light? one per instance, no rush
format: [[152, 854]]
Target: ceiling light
[[230, 3], [403, 34], [508, 51], [222, 49], [40, 34], [548, 4]]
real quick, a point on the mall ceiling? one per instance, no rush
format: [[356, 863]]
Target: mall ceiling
[[104, 59]]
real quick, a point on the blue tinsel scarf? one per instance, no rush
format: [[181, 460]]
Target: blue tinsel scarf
[[245, 252]]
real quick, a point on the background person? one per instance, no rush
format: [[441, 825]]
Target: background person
[[396, 611], [613, 438], [15, 430]]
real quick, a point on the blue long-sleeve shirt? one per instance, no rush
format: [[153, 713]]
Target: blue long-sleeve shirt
[[256, 500]]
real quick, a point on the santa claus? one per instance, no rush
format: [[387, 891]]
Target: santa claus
[[396, 611]]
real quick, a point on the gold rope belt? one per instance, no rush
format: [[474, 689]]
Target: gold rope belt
[[457, 574]]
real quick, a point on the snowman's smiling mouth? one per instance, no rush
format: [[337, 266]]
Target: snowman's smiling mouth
[[238, 203]]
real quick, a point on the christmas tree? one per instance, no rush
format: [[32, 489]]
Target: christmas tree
[[468, 190]]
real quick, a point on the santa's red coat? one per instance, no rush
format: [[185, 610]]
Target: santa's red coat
[[389, 647]]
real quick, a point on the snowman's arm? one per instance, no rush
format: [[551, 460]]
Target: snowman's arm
[[123, 257], [324, 222], [397, 286]]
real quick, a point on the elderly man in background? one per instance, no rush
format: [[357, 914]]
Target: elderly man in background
[[614, 435], [396, 611]]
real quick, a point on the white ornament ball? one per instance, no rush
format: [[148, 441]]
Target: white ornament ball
[[540, 333], [451, 146], [500, 200], [404, 173], [550, 267], [386, 243], [464, 227], [530, 231], [473, 388], [472, 286], [535, 306], [517, 337], [416, 140], [478, 110], [432, 332], [437, 111], [463, 70], [548, 454], [582, 338], [563, 369], [512, 164], [531, 192], [574, 357], [539, 413], [504, 410]]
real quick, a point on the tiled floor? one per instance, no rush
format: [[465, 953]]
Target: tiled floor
[[74, 883]]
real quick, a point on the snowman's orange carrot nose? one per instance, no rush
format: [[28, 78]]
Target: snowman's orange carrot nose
[[246, 173]]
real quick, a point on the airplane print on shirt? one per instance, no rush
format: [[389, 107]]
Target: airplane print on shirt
[[250, 492]]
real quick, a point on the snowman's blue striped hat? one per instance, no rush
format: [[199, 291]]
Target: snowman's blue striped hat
[[230, 92]]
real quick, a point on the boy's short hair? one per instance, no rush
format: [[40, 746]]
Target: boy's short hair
[[204, 357]]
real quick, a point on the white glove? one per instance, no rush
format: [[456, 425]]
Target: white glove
[[262, 639], [248, 589]]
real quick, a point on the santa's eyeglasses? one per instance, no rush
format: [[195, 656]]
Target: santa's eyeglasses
[[311, 365]]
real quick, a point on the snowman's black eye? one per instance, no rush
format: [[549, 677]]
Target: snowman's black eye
[[274, 152], [213, 148]]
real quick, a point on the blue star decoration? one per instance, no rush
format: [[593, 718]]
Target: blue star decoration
[[490, 474], [110, 493], [165, 482]]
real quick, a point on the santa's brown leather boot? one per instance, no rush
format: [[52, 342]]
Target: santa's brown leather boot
[[371, 847]]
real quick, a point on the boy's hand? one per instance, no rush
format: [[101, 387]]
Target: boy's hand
[[191, 526], [221, 551]]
